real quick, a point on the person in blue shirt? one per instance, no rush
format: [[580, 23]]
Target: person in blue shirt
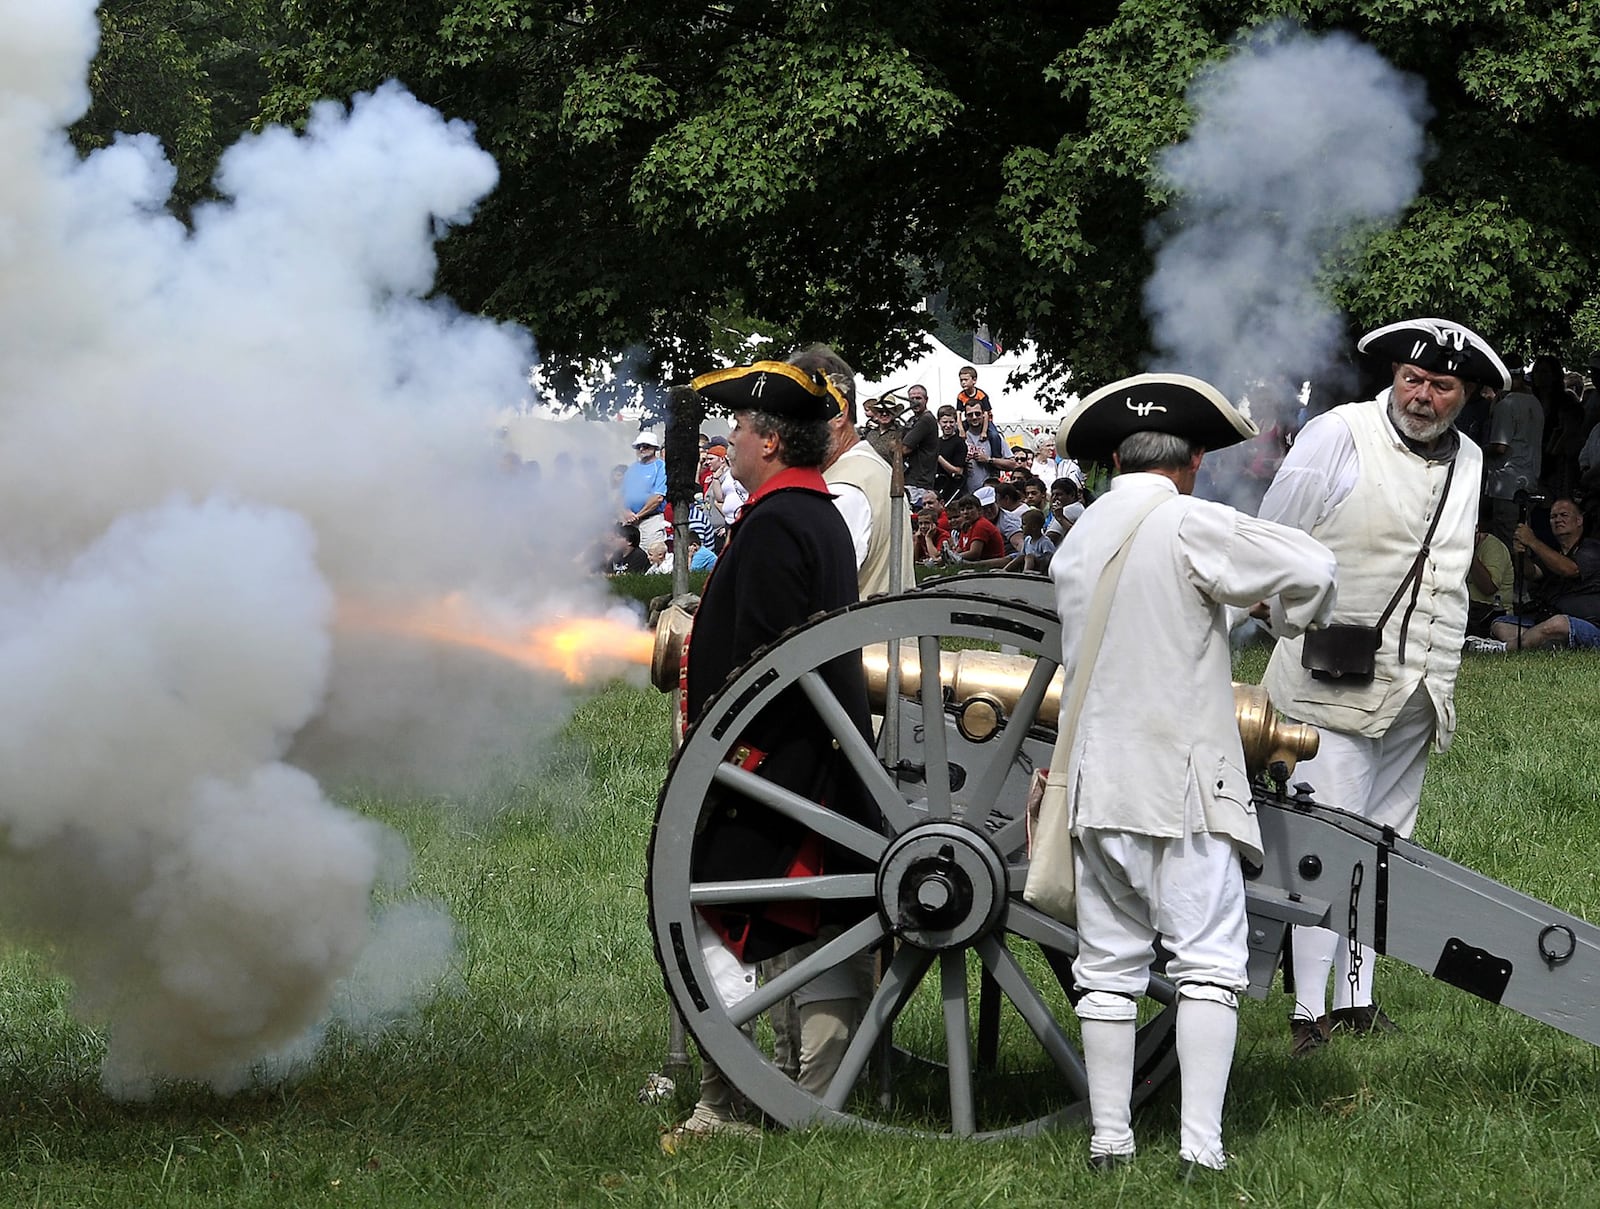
[[644, 490]]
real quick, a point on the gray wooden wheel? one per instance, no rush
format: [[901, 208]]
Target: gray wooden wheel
[[942, 904]]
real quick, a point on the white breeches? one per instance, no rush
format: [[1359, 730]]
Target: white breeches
[[1379, 779], [1134, 889]]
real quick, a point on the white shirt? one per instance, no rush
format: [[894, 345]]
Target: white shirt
[[733, 494], [853, 505], [1157, 749]]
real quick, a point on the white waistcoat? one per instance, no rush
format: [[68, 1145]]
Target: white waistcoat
[[1376, 532], [862, 468]]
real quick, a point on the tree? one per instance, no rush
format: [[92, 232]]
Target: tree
[[188, 71], [820, 168]]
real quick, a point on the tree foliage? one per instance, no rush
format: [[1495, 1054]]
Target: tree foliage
[[815, 168], [188, 71]]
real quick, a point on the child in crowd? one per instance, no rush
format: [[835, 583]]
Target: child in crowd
[[1036, 547]]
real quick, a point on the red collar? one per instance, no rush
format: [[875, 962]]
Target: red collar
[[806, 477]]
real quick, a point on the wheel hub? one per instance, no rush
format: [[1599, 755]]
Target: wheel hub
[[941, 885]]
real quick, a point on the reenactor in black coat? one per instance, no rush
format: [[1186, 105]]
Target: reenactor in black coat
[[789, 557]]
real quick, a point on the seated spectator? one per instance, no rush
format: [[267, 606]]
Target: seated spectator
[[626, 557], [1006, 513], [1035, 493], [701, 556], [1566, 610], [660, 558], [977, 540], [931, 535], [1066, 506], [1489, 580], [1036, 547]]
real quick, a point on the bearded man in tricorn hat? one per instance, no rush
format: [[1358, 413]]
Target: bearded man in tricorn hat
[[1157, 799], [1392, 489]]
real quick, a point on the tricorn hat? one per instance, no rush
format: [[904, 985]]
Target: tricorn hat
[[775, 387], [1174, 403], [1440, 347]]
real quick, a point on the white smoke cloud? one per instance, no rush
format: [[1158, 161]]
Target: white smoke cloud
[[1299, 143], [211, 440]]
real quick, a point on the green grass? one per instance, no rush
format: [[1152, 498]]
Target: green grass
[[517, 1086]]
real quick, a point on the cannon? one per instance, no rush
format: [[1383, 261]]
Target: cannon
[[969, 1031]]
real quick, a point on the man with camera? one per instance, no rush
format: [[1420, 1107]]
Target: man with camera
[[1566, 609], [1392, 489]]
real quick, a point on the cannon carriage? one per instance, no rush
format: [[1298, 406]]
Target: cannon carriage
[[969, 1030]]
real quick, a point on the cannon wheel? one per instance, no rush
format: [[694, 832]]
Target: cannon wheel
[[1026, 1075]]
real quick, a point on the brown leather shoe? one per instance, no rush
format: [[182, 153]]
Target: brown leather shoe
[[1368, 1019], [1307, 1036]]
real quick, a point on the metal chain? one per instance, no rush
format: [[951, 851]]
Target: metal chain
[[1356, 876]]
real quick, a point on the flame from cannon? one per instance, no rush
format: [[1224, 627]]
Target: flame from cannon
[[581, 649]]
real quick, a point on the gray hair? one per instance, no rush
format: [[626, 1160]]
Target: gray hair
[[1155, 451], [803, 442]]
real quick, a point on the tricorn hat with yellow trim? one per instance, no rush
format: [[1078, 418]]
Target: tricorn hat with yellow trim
[[1174, 403], [775, 387], [1440, 347]]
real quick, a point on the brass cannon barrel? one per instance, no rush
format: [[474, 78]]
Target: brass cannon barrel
[[983, 686]]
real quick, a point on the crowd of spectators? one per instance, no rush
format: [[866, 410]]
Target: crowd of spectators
[[978, 499], [1025, 494]]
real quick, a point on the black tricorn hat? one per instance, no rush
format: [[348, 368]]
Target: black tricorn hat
[[1173, 403], [1440, 347], [775, 387]]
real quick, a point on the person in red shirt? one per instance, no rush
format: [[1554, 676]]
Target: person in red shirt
[[978, 541]]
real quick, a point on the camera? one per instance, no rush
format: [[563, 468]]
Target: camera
[[1526, 501]]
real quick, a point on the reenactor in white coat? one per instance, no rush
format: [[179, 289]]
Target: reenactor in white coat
[[1392, 488], [1159, 803]]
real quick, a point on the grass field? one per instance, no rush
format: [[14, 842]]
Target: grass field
[[517, 1086]]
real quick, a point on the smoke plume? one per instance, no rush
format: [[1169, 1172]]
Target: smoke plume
[[211, 439], [1300, 143]]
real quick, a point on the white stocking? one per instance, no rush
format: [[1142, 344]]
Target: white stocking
[[1108, 1054], [1313, 960], [1342, 997], [1207, 1028]]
